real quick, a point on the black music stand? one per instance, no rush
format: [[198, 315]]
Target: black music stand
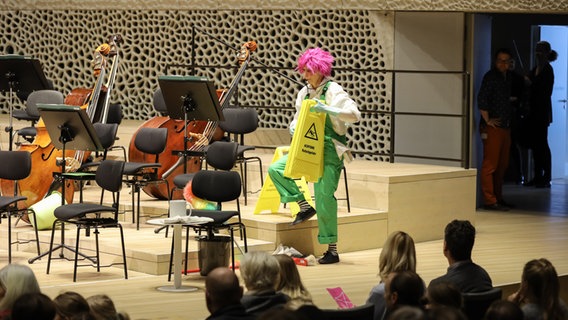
[[69, 127], [189, 98], [21, 75]]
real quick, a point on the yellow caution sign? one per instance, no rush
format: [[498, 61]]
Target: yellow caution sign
[[269, 198], [305, 157]]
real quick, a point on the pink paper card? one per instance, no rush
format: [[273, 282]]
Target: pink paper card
[[340, 298]]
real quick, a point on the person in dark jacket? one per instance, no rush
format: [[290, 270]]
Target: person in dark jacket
[[223, 295]]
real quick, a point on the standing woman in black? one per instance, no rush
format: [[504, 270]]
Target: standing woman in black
[[540, 115]]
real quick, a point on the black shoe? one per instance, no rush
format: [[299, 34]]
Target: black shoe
[[329, 257], [304, 215], [542, 185], [506, 204], [495, 207], [529, 183]]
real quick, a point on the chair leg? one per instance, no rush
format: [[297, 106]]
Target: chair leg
[[9, 236], [244, 179], [171, 260], [76, 254], [97, 254], [123, 251], [51, 246], [35, 231], [186, 250]]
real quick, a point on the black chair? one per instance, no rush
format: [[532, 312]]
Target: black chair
[[237, 123], [219, 187], [150, 141], [476, 304], [220, 155], [16, 165], [115, 116], [90, 216], [31, 112], [364, 312]]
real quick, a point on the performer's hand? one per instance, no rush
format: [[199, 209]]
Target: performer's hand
[[320, 107], [292, 130]]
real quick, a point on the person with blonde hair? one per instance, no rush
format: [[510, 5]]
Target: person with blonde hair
[[260, 271], [290, 282], [15, 281], [539, 292], [398, 254], [102, 308]]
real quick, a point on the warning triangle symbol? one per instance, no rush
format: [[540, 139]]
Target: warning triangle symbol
[[312, 132]]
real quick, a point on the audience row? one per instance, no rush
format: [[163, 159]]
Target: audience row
[[273, 289]]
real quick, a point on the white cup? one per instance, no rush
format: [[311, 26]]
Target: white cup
[[178, 208]]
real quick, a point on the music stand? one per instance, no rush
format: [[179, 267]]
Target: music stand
[[69, 127], [189, 98], [21, 75]]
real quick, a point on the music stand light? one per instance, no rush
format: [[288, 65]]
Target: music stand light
[[21, 75], [69, 127]]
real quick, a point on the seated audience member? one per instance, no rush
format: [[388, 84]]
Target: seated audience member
[[398, 254], [408, 313], [102, 308], [72, 306], [223, 295], [15, 281], [36, 306], [445, 313], [290, 283], [282, 314], [443, 294], [539, 292], [260, 272], [504, 310], [459, 237], [404, 288]]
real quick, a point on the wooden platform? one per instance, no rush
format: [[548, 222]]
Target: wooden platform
[[384, 198]]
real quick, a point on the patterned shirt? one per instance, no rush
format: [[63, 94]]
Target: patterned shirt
[[495, 96]]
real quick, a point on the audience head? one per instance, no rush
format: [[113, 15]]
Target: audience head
[[35, 306], [540, 285], [408, 313], [72, 306], [290, 282], [446, 313], [444, 294], [260, 271], [459, 237], [398, 254], [102, 308], [504, 310], [404, 288], [16, 280], [281, 314], [222, 289]]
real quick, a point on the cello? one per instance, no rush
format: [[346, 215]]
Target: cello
[[199, 133], [46, 159]]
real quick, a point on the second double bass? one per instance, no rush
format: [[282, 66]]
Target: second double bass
[[199, 133]]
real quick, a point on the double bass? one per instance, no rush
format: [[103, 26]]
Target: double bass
[[199, 134], [46, 159]]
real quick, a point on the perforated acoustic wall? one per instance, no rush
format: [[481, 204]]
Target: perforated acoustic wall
[[361, 41]]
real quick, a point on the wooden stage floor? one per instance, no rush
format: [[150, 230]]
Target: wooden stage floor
[[505, 241]]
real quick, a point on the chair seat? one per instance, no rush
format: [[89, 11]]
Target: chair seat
[[6, 201], [131, 168], [78, 209], [23, 115], [219, 217], [27, 131], [181, 180]]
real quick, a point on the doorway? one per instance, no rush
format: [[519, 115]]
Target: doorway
[[557, 36]]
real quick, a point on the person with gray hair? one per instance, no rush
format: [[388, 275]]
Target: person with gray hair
[[15, 281], [260, 272]]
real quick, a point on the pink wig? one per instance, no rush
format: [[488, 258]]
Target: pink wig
[[316, 60]]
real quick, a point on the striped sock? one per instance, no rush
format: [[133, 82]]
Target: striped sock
[[304, 205], [332, 247]]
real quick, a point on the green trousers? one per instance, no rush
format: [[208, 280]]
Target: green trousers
[[324, 189]]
